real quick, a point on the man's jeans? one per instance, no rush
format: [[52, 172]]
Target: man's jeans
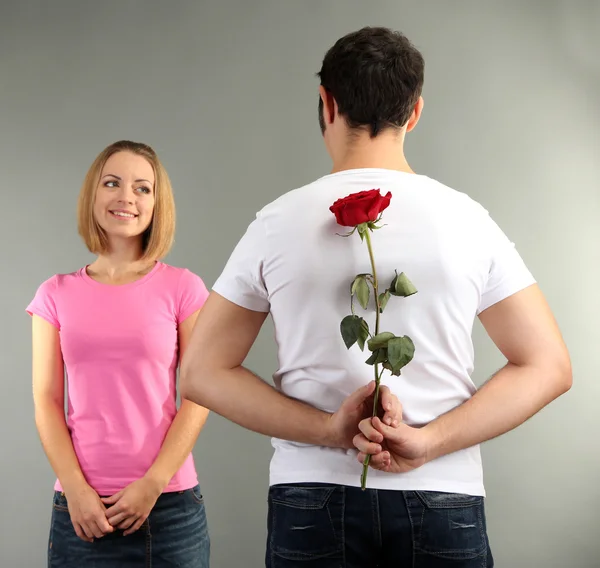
[[313, 525]]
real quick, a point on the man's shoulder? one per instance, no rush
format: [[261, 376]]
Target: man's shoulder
[[426, 193], [293, 196]]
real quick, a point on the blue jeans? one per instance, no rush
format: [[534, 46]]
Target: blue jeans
[[331, 526], [175, 534]]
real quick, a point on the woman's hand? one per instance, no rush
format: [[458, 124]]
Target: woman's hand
[[130, 507], [88, 514]]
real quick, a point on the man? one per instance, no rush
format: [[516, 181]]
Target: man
[[424, 497]]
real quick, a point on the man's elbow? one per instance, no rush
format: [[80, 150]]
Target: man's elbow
[[561, 375], [566, 376], [191, 381]]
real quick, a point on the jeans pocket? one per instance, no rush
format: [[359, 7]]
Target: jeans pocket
[[306, 522], [59, 502], [450, 525], [197, 496]]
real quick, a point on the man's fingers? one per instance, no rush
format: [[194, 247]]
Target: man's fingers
[[365, 446], [385, 430], [391, 406], [381, 461], [369, 431]]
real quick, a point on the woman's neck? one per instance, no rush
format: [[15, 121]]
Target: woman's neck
[[121, 263]]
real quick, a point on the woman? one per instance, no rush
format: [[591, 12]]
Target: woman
[[127, 493]]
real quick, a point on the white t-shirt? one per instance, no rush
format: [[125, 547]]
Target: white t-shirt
[[292, 264]]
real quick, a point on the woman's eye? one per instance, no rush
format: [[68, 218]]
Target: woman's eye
[[110, 184], [144, 189]]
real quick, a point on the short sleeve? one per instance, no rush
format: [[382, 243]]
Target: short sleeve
[[44, 302], [241, 281], [192, 295], [508, 273]]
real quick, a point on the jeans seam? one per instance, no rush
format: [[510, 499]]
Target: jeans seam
[[274, 512], [148, 544], [412, 528], [343, 526], [50, 540], [376, 516], [481, 534]]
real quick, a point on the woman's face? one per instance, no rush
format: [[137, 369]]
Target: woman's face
[[125, 196]]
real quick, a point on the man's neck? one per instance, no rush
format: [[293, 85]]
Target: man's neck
[[357, 164], [384, 152]]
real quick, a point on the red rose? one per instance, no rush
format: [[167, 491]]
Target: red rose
[[361, 207]]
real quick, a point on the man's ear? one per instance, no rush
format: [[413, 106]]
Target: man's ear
[[416, 115]]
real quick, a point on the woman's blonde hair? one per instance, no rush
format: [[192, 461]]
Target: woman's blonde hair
[[158, 237]]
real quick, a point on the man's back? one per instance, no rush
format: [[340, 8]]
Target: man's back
[[293, 263]]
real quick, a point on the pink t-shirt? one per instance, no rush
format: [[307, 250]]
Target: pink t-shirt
[[120, 349]]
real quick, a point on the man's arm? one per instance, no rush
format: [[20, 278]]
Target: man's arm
[[538, 371], [212, 376]]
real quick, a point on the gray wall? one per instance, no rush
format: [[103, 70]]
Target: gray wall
[[225, 91]]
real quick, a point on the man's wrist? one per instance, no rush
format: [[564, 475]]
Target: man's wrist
[[434, 441], [332, 437]]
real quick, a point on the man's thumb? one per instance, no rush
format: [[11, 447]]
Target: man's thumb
[[387, 431], [361, 394]]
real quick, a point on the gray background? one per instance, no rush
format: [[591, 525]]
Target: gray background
[[226, 93]]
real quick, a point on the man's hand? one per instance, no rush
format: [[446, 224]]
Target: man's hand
[[395, 449], [359, 406], [88, 514], [130, 507]]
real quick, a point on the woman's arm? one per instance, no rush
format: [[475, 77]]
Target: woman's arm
[[87, 512], [184, 430], [130, 507], [48, 399]]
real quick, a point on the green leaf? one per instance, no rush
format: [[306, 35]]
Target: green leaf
[[371, 360], [383, 300], [360, 288], [387, 366], [354, 329], [380, 340], [363, 334], [348, 330], [378, 356], [402, 286], [400, 353], [363, 293]]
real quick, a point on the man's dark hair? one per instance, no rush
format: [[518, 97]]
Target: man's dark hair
[[376, 77]]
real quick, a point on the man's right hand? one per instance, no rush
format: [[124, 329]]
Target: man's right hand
[[88, 513], [343, 424]]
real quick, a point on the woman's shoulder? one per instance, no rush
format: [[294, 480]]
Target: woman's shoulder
[[191, 290], [60, 280], [179, 273]]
